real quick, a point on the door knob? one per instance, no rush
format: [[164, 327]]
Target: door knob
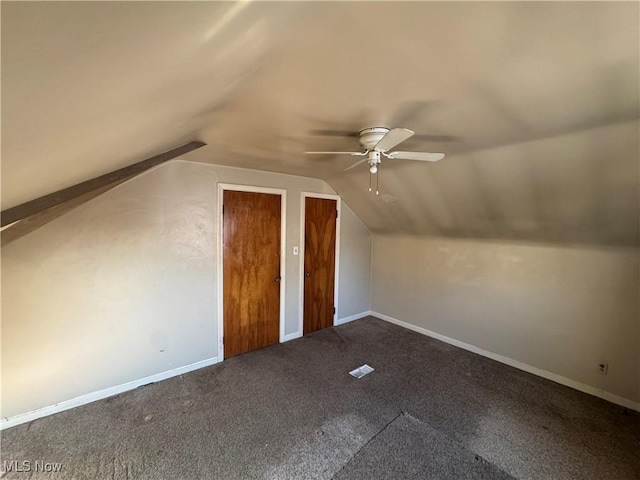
[[307, 274], [277, 278]]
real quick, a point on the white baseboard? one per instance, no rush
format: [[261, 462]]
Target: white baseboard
[[111, 391], [101, 394], [291, 336], [351, 318], [610, 397]]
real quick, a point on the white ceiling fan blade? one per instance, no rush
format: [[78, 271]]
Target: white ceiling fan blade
[[356, 164], [393, 138], [420, 156], [357, 154]]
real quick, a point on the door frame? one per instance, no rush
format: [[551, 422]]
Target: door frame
[[303, 198], [220, 250]]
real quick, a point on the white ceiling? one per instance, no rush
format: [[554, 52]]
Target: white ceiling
[[542, 99]]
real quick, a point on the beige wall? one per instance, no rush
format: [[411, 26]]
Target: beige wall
[[559, 309], [354, 296], [124, 287]]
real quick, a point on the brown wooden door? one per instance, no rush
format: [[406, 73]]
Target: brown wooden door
[[320, 217], [251, 271]]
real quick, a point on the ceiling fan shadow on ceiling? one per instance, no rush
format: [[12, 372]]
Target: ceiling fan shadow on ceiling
[[376, 142]]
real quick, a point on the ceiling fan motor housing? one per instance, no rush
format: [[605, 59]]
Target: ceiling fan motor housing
[[369, 137]]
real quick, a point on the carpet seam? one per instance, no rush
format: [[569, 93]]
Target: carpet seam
[[368, 442]]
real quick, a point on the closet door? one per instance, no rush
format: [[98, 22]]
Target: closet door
[[320, 217], [251, 270]]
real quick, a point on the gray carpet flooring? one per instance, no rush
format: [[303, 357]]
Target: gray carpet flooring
[[408, 448], [429, 410]]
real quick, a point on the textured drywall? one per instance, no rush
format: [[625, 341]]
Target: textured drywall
[[124, 287], [354, 293], [560, 309], [117, 289], [535, 104]]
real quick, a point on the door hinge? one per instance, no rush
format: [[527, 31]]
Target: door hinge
[[337, 212], [223, 340], [223, 209], [334, 310]]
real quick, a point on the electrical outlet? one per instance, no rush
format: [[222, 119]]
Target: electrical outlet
[[603, 368]]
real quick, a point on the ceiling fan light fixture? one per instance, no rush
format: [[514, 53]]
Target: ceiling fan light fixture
[[377, 142]]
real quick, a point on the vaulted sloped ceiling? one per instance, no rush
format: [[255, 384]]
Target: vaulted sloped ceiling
[[541, 99]]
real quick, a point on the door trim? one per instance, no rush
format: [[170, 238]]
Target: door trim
[[219, 261], [328, 196]]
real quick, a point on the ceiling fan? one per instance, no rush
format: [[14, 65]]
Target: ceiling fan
[[376, 142]]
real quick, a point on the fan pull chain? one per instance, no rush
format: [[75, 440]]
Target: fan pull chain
[[369, 181], [377, 176]]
